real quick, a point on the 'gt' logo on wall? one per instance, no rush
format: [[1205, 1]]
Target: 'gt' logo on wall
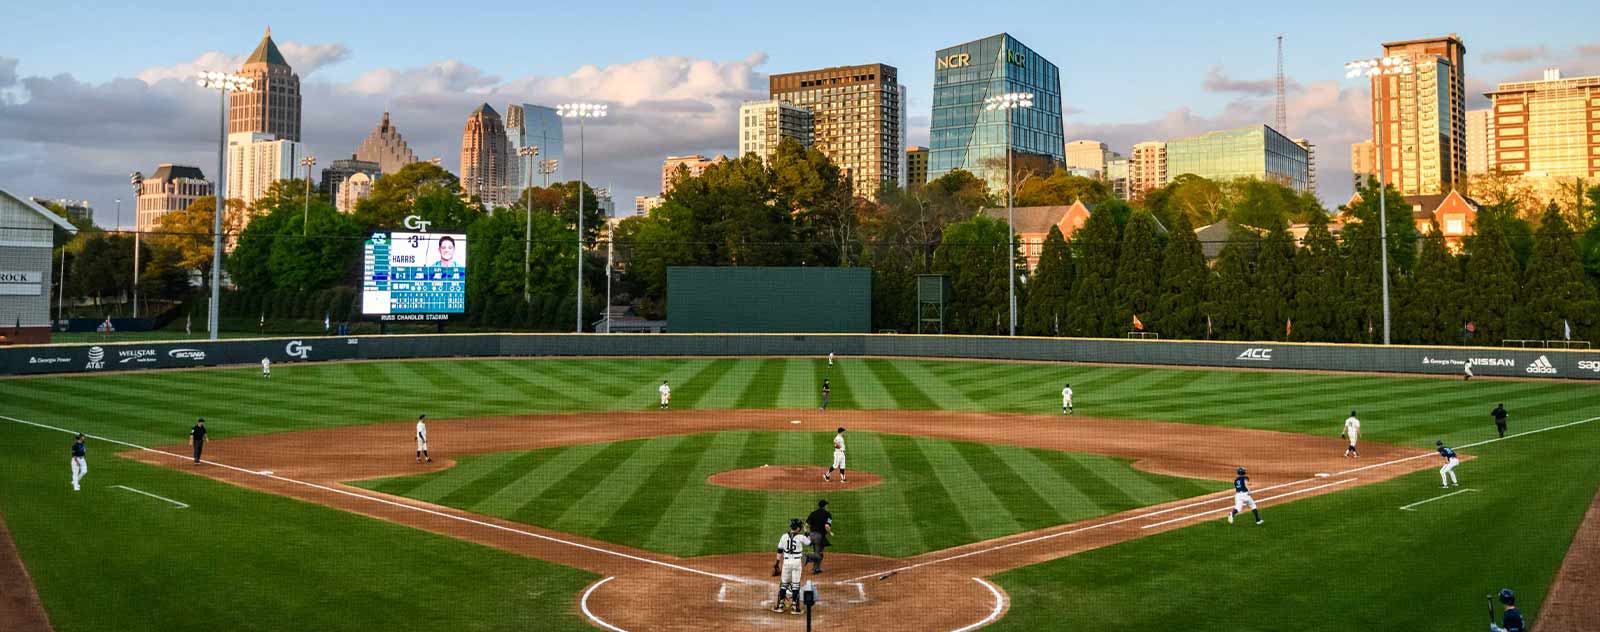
[[297, 349], [1260, 354]]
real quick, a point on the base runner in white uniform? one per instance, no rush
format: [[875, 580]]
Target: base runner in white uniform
[[666, 394], [1352, 428], [791, 559], [422, 440], [266, 367], [838, 458]]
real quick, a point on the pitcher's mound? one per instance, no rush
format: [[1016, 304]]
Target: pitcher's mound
[[791, 478]]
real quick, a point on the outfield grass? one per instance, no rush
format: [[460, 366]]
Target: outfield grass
[[652, 494], [109, 559]]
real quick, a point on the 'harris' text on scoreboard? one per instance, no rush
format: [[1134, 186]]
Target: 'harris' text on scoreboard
[[414, 273]]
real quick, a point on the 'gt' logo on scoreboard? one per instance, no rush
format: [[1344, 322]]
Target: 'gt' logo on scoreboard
[[297, 349], [415, 222]]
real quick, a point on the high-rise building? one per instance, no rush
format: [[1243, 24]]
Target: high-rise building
[[1480, 140], [386, 147], [1425, 112], [170, 188], [916, 167], [1147, 168], [336, 174], [1363, 162], [967, 135], [273, 105], [77, 210], [257, 160], [763, 124], [1255, 151], [1311, 162], [1117, 175], [1088, 154], [643, 204], [858, 119], [484, 157], [353, 190], [1547, 131], [695, 163], [529, 125]]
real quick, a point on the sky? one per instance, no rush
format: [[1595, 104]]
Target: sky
[[90, 93]]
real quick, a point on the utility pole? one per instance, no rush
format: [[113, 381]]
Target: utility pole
[[1283, 109]]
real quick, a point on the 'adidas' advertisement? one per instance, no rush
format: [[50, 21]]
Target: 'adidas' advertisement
[[1542, 366]]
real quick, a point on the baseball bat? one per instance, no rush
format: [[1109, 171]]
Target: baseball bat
[[1489, 601]]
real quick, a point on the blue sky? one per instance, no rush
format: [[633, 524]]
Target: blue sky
[[1131, 71]]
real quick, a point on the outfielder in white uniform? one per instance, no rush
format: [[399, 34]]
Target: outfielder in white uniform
[[266, 367], [792, 558], [1066, 399], [80, 463], [666, 394], [830, 358], [422, 440], [838, 458], [1468, 368], [1352, 428]]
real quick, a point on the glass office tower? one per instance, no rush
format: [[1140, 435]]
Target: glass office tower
[[1257, 151], [966, 136], [539, 126]]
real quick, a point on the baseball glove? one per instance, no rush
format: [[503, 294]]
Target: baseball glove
[[775, 565], [1343, 436]]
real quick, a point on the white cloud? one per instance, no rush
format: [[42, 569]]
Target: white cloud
[[1218, 80], [1517, 55], [305, 59]]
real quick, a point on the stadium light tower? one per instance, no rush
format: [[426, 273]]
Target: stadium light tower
[[528, 153], [1005, 103], [305, 220], [136, 179], [1377, 69], [581, 111], [223, 83]]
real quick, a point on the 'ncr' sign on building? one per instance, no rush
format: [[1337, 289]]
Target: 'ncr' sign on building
[[27, 234]]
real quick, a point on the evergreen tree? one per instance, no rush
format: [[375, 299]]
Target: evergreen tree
[[1433, 296], [1554, 287], [1232, 305], [1364, 259], [1180, 308], [973, 254], [1093, 312], [1274, 283], [1492, 279], [1138, 271], [1049, 289], [1318, 286]]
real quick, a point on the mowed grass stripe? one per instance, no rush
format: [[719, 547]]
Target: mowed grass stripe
[[561, 496], [889, 504], [992, 466], [945, 396], [1106, 496], [692, 394], [683, 525], [985, 514], [646, 392], [801, 386], [937, 517], [1068, 501], [434, 488], [599, 506], [640, 515], [534, 396], [471, 491], [762, 392], [533, 483], [905, 393], [725, 392], [730, 514], [865, 389]]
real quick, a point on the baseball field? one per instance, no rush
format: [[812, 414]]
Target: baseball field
[[560, 497]]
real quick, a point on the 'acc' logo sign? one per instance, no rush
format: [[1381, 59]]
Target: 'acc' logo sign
[[1256, 353]]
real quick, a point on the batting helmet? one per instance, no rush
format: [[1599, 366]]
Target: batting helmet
[[1439, 443], [841, 428], [796, 524], [1241, 471], [1507, 597]]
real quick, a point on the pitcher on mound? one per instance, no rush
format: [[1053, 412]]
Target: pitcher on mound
[[838, 458]]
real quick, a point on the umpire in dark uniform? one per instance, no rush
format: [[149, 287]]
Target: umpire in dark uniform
[[197, 438], [1499, 414], [820, 522]]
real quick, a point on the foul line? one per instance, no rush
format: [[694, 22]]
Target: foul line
[[584, 604], [1263, 500], [1424, 502], [391, 503], [999, 606], [136, 491]]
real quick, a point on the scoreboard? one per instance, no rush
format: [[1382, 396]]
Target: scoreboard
[[414, 274]]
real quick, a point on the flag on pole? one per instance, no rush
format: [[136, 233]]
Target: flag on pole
[[1566, 326], [1137, 325], [1208, 325], [327, 321], [1472, 327], [1288, 328], [188, 324]]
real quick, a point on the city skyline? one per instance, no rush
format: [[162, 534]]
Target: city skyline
[[673, 98]]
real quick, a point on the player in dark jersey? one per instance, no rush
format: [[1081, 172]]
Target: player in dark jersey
[[197, 438], [1447, 474], [821, 524], [1511, 621], [1499, 414], [825, 391], [1242, 499]]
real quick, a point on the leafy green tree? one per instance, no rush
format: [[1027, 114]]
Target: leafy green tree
[[1274, 283], [957, 195], [646, 247], [1204, 201], [421, 189], [809, 184], [1264, 204], [315, 255], [1364, 262], [973, 253], [1049, 289], [1433, 297], [1492, 278], [1232, 307], [560, 200], [1094, 308], [1180, 308], [189, 232], [1138, 273], [1061, 189], [103, 268], [248, 264], [495, 267], [1319, 286], [1508, 221], [1555, 289]]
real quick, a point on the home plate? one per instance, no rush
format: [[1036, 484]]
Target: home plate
[[265, 473], [1323, 475], [794, 421]]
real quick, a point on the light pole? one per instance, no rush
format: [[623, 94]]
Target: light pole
[[1378, 68], [528, 153], [581, 111], [605, 193], [305, 215], [137, 180], [1006, 103], [223, 83]]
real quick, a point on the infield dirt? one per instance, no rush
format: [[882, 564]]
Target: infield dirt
[[20, 610], [653, 591]]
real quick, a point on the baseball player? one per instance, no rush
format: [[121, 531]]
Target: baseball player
[[830, 358], [1512, 620], [1241, 497], [422, 439], [820, 522], [1066, 399], [1447, 474], [838, 457], [1352, 428], [791, 556], [1499, 414], [80, 464], [266, 368], [825, 390], [1468, 369], [197, 438], [666, 394]]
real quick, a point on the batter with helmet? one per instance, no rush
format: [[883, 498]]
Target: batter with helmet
[[791, 558], [1241, 497], [1511, 621]]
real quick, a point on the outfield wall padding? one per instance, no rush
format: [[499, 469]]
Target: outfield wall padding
[[94, 358]]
